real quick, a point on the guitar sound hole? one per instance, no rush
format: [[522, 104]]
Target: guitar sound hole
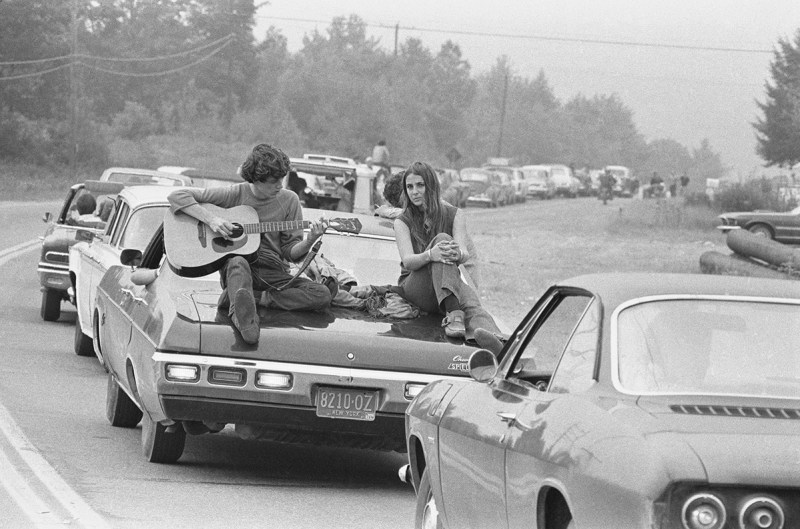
[[237, 232]]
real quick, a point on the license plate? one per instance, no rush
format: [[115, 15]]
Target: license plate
[[346, 403]]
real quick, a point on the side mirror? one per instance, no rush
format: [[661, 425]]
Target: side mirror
[[131, 257], [482, 365], [46, 217], [84, 235]]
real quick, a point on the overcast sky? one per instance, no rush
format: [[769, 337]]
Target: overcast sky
[[684, 94]]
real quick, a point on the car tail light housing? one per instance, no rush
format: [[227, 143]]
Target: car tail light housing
[[182, 372], [273, 380], [761, 513], [703, 511]]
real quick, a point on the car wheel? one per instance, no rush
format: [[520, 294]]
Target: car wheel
[[162, 444], [121, 411], [761, 230], [83, 343], [51, 304], [427, 515]]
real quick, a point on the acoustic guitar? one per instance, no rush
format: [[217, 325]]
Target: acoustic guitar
[[194, 250]]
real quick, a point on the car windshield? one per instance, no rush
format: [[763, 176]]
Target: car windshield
[[212, 182], [710, 347], [469, 176], [536, 175], [370, 261], [129, 178], [141, 226], [558, 171]]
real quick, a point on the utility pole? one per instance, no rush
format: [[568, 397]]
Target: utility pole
[[73, 95], [229, 98], [396, 33], [502, 116]]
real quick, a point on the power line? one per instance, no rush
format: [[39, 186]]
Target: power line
[[81, 62], [35, 74], [155, 74], [118, 59], [536, 37]]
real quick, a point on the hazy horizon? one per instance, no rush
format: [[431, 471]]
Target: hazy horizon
[[687, 70]]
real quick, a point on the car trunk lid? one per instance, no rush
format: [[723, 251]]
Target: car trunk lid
[[336, 337]]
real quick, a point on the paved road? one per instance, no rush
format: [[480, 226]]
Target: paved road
[[61, 463]]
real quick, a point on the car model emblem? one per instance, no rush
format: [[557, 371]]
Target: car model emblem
[[351, 356]]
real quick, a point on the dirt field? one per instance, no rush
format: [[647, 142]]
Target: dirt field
[[524, 248]]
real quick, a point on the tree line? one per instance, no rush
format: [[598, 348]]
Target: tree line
[[80, 72]]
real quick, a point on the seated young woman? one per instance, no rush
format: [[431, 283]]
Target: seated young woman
[[431, 237]]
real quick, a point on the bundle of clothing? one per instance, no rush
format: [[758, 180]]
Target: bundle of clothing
[[380, 301]]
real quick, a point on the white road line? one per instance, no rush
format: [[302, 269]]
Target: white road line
[[24, 496], [20, 249], [80, 511], [19, 490]]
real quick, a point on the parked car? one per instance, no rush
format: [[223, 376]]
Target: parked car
[[626, 401], [624, 186], [540, 185], [454, 190], [780, 226], [337, 183], [137, 214], [341, 376], [59, 235], [326, 185], [566, 184], [515, 178], [131, 175], [203, 178], [485, 187]]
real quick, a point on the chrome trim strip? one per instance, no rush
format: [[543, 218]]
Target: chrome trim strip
[[56, 269], [267, 365], [613, 336]]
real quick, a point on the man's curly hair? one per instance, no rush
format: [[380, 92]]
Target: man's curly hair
[[265, 162], [393, 189]]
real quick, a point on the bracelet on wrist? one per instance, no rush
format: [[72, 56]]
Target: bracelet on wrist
[[428, 253]]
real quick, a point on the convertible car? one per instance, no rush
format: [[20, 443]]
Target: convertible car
[[625, 401], [58, 237], [343, 376], [781, 226]]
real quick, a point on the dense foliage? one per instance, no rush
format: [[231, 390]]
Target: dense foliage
[[183, 67], [778, 131]]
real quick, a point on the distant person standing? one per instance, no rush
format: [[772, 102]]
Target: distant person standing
[[684, 183], [380, 155]]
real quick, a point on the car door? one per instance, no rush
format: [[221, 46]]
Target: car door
[[472, 439], [787, 227], [475, 429], [95, 262], [541, 443]]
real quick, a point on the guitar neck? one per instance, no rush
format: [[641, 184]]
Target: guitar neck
[[285, 225]]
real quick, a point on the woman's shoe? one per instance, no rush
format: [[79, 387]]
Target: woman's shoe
[[453, 324]]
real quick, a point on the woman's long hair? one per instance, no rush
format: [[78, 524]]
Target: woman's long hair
[[424, 224]]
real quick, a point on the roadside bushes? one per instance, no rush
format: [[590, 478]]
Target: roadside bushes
[[751, 195], [49, 142]]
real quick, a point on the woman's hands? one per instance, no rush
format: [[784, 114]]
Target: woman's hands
[[447, 252]]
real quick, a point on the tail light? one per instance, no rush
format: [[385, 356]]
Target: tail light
[[703, 511], [761, 513]]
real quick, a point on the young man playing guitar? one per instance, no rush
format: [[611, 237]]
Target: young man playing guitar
[[263, 172]]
